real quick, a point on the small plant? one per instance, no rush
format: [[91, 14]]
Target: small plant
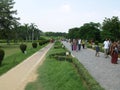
[[96, 42], [2, 53], [41, 42], [34, 45], [23, 47]]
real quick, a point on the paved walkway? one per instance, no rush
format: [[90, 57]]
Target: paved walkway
[[16, 76], [107, 74]]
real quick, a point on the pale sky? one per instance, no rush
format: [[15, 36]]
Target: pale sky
[[61, 15]]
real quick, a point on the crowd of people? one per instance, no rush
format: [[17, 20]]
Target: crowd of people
[[76, 44], [111, 48]]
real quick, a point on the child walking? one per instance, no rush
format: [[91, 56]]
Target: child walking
[[97, 48]]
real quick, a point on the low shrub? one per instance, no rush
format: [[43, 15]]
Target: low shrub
[[61, 56], [57, 54], [23, 47], [34, 45], [57, 47], [2, 54], [42, 42]]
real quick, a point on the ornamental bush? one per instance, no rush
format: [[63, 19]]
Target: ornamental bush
[[2, 54], [34, 45], [23, 47]]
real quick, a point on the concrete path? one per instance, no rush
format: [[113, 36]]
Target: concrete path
[[107, 74], [16, 76]]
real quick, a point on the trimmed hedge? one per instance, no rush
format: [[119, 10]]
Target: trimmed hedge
[[2, 54], [34, 45], [61, 56], [23, 47], [42, 42]]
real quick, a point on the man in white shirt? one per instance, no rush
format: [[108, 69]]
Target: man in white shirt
[[106, 47], [79, 44]]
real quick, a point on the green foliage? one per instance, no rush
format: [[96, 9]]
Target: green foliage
[[34, 45], [61, 56], [96, 42], [87, 31], [42, 42], [90, 31], [2, 53], [23, 47], [28, 32], [111, 28], [55, 34], [73, 33], [7, 20]]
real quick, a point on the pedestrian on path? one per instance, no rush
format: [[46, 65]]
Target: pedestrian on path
[[114, 53], [106, 47], [79, 44], [74, 44], [97, 48], [83, 44], [71, 41]]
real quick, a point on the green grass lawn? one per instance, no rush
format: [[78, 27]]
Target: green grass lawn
[[13, 48], [57, 75], [14, 56]]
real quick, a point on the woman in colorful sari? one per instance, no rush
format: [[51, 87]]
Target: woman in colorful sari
[[74, 44], [114, 52]]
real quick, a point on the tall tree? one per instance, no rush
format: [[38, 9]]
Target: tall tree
[[111, 28], [73, 33], [28, 32], [7, 20], [90, 31]]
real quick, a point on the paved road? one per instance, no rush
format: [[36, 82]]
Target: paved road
[[16, 76], [107, 74]]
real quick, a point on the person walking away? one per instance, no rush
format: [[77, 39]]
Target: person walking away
[[97, 48], [114, 53], [86, 43], [79, 44], [83, 44], [106, 47], [118, 43], [71, 41], [74, 44]]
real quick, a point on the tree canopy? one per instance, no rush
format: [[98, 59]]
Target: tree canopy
[[110, 28]]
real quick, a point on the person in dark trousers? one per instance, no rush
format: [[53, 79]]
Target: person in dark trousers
[[97, 48], [83, 44], [79, 44], [71, 41]]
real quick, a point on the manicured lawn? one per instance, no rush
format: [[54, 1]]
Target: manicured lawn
[[13, 48], [13, 56]]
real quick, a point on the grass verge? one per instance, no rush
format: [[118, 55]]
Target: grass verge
[[57, 75]]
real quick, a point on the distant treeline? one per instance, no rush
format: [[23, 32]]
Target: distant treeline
[[110, 28]]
